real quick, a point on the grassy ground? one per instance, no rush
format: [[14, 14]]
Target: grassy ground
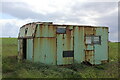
[[13, 69]]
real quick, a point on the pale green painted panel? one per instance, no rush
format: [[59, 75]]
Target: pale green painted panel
[[51, 31], [45, 50], [64, 43], [60, 49], [82, 45], [89, 47], [50, 50], [37, 53], [79, 54], [29, 49], [46, 31], [101, 51]]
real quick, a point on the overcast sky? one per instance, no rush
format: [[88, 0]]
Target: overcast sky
[[16, 14]]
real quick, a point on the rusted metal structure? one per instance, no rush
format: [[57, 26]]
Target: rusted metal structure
[[63, 44]]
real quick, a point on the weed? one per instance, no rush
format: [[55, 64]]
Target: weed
[[26, 69]]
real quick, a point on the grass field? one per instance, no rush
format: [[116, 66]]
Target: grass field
[[12, 69]]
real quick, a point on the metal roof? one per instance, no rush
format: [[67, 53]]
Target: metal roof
[[51, 23]]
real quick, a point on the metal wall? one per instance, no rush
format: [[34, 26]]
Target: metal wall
[[65, 44], [29, 53], [27, 31], [89, 49], [20, 48], [79, 44], [45, 45], [94, 53], [101, 51]]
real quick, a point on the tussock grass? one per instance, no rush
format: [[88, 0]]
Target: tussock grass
[[26, 69]]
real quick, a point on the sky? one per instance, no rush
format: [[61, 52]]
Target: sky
[[16, 13]]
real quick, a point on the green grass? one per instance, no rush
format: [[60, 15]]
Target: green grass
[[113, 50], [9, 47], [13, 69]]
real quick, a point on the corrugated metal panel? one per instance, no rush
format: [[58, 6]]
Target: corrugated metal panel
[[60, 47], [89, 48], [27, 31], [88, 31], [68, 39], [68, 45], [89, 56], [46, 30], [64, 43], [50, 47], [20, 50], [29, 49], [22, 32], [79, 54], [31, 29], [101, 51], [45, 44], [45, 50]]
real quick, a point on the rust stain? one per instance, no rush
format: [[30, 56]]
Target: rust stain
[[94, 31], [48, 35], [41, 30], [88, 31], [86, 46], [88, 55], [69, 38], [79, 28]]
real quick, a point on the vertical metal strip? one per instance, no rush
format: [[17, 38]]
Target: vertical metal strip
[[108, 44], [56, 45], [33, 39], [73, 44], [93, 48]]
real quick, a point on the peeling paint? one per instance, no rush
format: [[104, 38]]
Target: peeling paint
[[44, 44]]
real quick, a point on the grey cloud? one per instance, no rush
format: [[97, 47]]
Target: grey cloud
[[20, 10], [99, 7], [111, 22], [77, 11], [10, 30], [23, 11]]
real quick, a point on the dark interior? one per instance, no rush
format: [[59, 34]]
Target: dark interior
[[24, 48], [68, 53]]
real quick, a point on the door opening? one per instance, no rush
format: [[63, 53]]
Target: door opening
[[24, 48]]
